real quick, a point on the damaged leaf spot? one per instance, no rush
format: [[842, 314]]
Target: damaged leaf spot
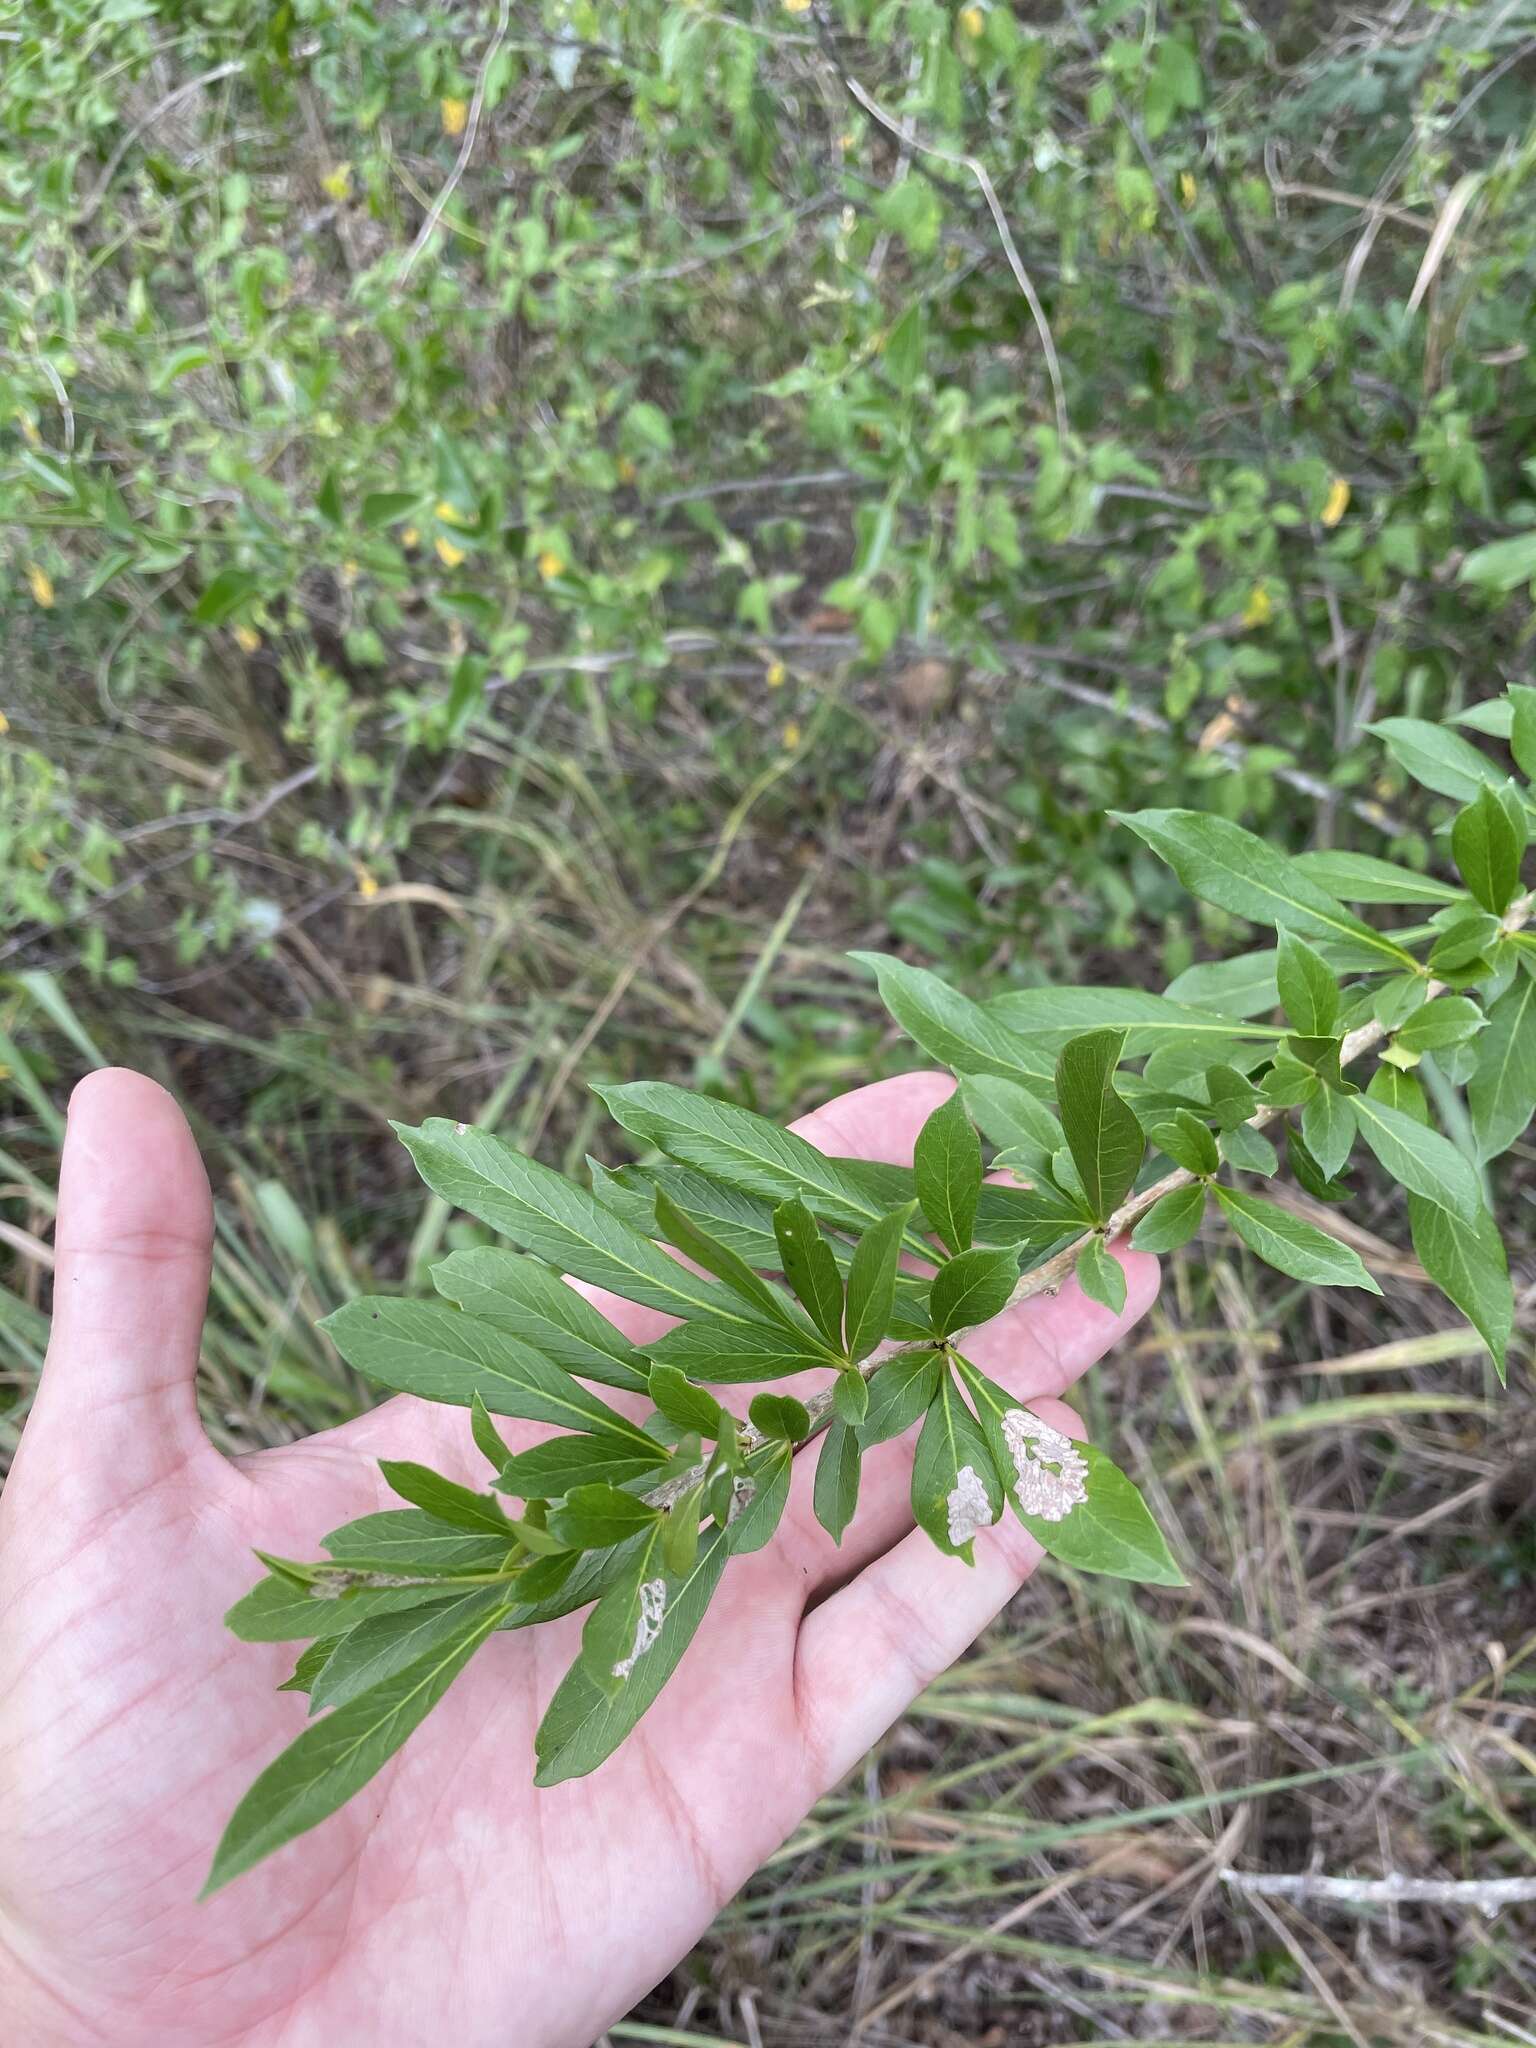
[[1052, 1473]]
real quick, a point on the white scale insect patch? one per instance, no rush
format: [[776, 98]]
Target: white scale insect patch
[[969, 1508], [653, 1606], [1036, 1448]]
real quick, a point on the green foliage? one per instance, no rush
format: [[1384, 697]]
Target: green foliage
[[637, 1520]]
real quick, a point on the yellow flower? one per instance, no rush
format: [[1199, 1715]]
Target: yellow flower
[[1189, 191], [247, 639], [450, 515], [349, 572], [551, 565], [41, 585], [1338, 501], [447, 553], [775, 674], [367, 886], [791, 736], [797, 6], [5, 725], [973, 20], [1259, 609], [29, 432], [410, 537], [455, 115], [339, 183], [846, 139], [626, 470]]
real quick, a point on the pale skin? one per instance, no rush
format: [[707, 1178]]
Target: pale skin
[[451, 1901]]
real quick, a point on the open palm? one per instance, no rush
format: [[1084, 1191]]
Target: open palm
[[451, 1901]]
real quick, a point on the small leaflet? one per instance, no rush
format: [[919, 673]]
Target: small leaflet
[[653, 1606], [969, 1508], [1036, 1448]]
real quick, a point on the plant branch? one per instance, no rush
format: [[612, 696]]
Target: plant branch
[[1047, 1277]]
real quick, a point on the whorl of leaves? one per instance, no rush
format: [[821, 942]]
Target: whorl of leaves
[[1117, 1113]]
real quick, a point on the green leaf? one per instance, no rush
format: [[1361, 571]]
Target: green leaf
[[489, 1441], [1188, 1142], [1109, 1529], [1419, 1158], [1234, 869], [695, 1242], [409, 1540], [686, 1406], [549, 1216], [780, 1415], [972, 1289], [1462, 943], [1449, 1020], [1172, 1221], [745, 1150], [1502, 1092], [625, 1622], [426, 1348], [732, 1354], [1362, 878], [1290, 1245], [445, 1500], [224, 596], [872, 1282], [737, 1219], [811, 1269], [551, 1469], [336, 1756], [383, 1645], [955, 1490], [1309, 1174], [523, 1296], [1502, 565], [276, 1612], [903, 350], [1014, 1119], [755, 1526], [836, 1494], [1101, 1275], [1103, 1135], [597, 1515], [1467, 1263], [385, 508], [1309, 993], [582, 1726], [1249, 1150], [1443, 761], [899, 1392], [1243, 986], [1522, 728], [850, 1398], [946, 1165], [1487, 844], [951, 1028], [1049, 1017], [313, 1659], [1328, 1129]]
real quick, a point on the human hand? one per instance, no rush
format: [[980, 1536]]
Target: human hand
[[452, 1901]]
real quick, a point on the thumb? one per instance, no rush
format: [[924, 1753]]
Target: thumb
[[133, 1245]]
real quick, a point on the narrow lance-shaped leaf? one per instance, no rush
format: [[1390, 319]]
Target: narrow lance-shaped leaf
[[810, 1269], [1502, 1093], [836, 1493], [336, 1756], [1467, 1263], [546, 1214], [1309, 991], [1419, 1158], [384, 1644], [444, 1499], [1291, 1245], [1236, 870], [583, 1726], [1487, 840], [520, 1295], [1172, 1221], [1103, 1135], [946, 1165], [951, 1028], [872, 1282], [1328, 1128]]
